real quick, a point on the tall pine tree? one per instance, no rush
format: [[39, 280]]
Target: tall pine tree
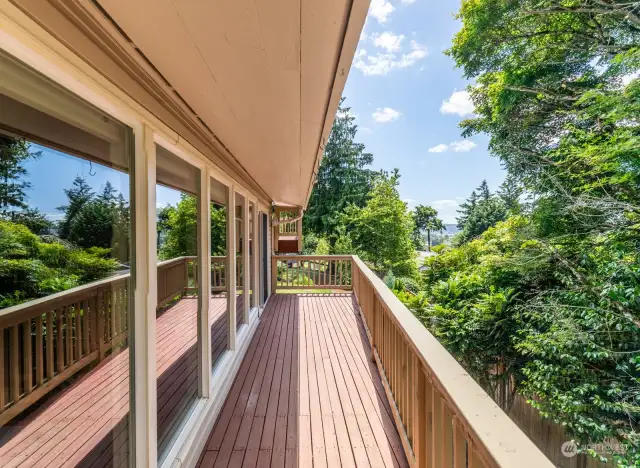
[[343, 178]]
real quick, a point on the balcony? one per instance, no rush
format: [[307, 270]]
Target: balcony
[[311, 389]]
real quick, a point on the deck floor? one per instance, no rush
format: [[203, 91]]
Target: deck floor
[[307, 393], [85, 424]]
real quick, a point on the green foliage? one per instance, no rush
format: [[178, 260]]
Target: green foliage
[[13, 153], [426, 219], [79, 194], [343, 178], [32, 268], [178, 229], [382, 230], [322, 247], [551, 294], [480, 212], [33, 219]]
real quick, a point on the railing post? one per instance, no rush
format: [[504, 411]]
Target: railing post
[[274, 275]]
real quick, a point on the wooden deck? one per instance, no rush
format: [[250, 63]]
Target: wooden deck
[[86, 423], [307, 393]]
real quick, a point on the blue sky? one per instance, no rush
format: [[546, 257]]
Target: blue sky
[[406, 95], [408, 98], [54, 172]]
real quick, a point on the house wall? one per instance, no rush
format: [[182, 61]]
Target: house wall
[[27, 41]]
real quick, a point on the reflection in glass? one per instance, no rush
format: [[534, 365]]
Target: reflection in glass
[[65, 283], [252, 251], [241, 268], [218, 308], [178, 305]]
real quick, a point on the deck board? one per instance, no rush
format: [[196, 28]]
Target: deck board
[[306, 394], [86, 424]]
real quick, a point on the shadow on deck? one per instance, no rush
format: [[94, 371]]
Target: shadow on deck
[[307, 393], [86, 423]]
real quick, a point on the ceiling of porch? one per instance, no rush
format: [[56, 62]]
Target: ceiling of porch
[[259, 73]]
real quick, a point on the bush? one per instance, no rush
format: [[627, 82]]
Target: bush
[[32, 268]]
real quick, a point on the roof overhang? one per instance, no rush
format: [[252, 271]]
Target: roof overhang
[[253, 84]]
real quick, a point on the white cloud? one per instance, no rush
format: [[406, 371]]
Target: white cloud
[[388, 41], [463, 146], [447, 210], [418, 52], [441, 148], [459, 103], [380, 10], [381, 63], [407, 2], [386, 114]]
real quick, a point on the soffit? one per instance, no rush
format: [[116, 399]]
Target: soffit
[[259, 73]]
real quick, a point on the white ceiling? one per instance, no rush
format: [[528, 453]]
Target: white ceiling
[[258, 72]]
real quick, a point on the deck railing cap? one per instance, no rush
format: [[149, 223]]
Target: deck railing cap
[[499, 435]]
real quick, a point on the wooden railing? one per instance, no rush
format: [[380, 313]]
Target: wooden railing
[[218, 273], [444, 417], [311, 271], [46, 341]]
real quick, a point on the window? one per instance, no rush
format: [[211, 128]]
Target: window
[[179, 293], [66, 263]]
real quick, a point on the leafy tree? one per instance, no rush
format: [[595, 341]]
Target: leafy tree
[[79, 194], [178, 229], [13, 153], [382, 230], [557, 287], [426, 219], [343, 178]]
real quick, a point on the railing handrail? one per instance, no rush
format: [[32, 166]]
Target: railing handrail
[[44, 301], [312, 257], [497, 433]]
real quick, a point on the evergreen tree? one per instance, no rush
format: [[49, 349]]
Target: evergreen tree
[[466, 209], [13, 153], [343, 178], [78, 195]]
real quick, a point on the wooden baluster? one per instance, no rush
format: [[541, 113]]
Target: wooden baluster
[[78, 330], [59, 343], [14, 375], [49, 345], [420, 417], [2, 370], [409, 395], [85, 327], [39, 352], [438, 427], [100, 315], [447, 433], [475, 461], [342, 264], [27, 357], [428, 435], [68, 335], [459, 447]]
